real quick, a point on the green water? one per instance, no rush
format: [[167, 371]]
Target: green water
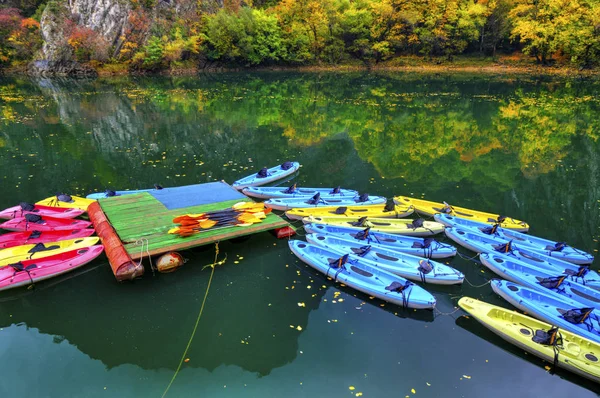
[[523, 147]]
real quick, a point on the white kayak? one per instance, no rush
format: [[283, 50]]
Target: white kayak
[[407, 266], [295, 192], [318, 201], [560, 250], [266, 176], [422, 247], [359, 274]]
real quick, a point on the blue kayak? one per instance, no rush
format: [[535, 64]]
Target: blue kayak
[[360, 274], [109, 193], [540, 279], [266, 176], [559, 311], [427, 247], [318, 201], [295, 192], [482, 243], [405, 265], [559, 250]]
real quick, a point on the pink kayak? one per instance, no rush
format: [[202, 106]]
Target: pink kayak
[[33, 222], [27, 208], [30, 271], [31, 237]]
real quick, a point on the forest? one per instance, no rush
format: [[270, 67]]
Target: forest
[[236, 33]]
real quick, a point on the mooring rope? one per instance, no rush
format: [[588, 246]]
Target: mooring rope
[[212, 272]]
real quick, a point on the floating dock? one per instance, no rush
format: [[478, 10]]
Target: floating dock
[[136, 225]]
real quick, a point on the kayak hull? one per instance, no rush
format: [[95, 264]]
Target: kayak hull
[[530, 276], [55, 212], [45, 224], [360, 275], [398, 263], [75, 203], [573, 354], [401, 243], [48, 267], [485, 244], [430, 208], [390, 226], [13, 239], [279, 192], [288, 204], [566, 253], [28, 252], [545, 306], [103, 195], [377, 211], [273, 174]]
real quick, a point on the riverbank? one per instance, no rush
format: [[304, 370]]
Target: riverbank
[[515, 64]]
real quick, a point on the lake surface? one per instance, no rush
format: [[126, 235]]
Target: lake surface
[[519, 146]]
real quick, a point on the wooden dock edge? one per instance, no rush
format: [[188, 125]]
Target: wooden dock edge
[[123, 267]]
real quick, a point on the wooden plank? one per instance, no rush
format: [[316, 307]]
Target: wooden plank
[[135, 251]]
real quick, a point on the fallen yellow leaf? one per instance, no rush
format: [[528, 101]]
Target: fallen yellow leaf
[[351, 388]]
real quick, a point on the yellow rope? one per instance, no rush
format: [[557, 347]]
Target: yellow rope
[[198, 319]]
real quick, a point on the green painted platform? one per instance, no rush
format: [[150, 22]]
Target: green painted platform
[[142, 216]]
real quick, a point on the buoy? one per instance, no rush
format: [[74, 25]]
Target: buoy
[[284, 232], [169, 262]]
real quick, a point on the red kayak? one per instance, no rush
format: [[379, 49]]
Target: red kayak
[[27, 208], [30, 271], [34, 222], [31, 237]]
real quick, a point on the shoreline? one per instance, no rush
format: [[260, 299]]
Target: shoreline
[[407, 65]]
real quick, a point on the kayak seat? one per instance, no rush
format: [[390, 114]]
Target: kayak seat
[[40, 247], [361, 251], [340, 210], [398, 287], [423, 245], [27, 206], [338, 262], [550, 337]]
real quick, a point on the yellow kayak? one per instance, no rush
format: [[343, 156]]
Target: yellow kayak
[[378, 211], [430, 208], [15, 254], [575, 353], [391, 226], [74, 202]]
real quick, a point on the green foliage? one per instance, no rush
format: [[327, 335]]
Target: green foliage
[[295, 32]]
